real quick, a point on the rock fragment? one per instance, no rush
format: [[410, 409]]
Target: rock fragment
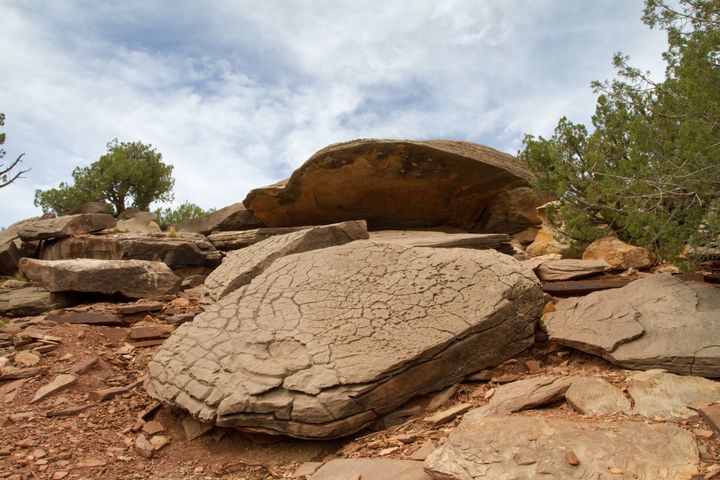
[[524, 394], [370, 469], [618, 254], [569, 269], [594, 396], [656, 393], [58, 383]]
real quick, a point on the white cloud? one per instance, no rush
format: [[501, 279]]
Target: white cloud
[[237, 94]]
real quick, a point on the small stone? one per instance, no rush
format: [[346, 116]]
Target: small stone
[[533, 365], [144, 447], [447, 415], [703, 433], [711, 415], [60, 382], [153, 428], [507, 378], [84, 366], [26, 358], [388, 451], [26, 443], [92, 463], [60, 474], [307, 469], [422, 452], [107, 393], [159, 441], [488, 395], [195, 428], [616, 470], [571, 458]]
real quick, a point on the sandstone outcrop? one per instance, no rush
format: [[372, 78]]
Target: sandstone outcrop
[[183, 250], [131, 278], [236, 239], [513, 447], [19, 302], [400, 184], [654, 322], [232, 217], [568, 269], [618, 254], [656, 393], [13, 248], [241, 266], [323, 343], [65, 226]]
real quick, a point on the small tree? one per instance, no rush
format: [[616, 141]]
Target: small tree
[[182, 213], [127, 172], [7, 176], [649, 172]]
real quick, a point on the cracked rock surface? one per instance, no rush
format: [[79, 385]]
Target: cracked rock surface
[[655, 322], [241, 266], [510, 448], [324, 342]]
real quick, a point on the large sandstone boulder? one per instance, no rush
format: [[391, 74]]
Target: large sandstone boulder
[[43, 229], [400, 184], [183, 250], [236, 239], [131, 278], [323, 343], [233, 217], [132, 220], [654, 322], [514, 447]]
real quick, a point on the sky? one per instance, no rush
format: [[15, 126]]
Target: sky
[[237, 94]]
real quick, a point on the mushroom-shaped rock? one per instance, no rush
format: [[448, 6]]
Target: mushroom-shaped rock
[[322, 343], [402, 184]]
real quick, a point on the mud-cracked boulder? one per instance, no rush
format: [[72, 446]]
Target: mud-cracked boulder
[[241, 266], [516, 447], [181, 251], [401, 184], [654, 322], [131, 278], [232, 217], [323, 343], [46, 228]]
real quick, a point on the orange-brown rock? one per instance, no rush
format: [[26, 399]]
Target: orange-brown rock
[[618, 254], [402, 184]]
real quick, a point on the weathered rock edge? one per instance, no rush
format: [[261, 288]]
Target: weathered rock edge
[[324, 342], [655, 322]]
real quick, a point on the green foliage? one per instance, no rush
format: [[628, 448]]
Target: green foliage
[[127, 172], [181, 213], [7, 176], [649, 172]]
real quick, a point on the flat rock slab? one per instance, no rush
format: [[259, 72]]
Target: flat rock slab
[[655, 322], [235, 240], [524, 394], [323, 343], [65, 226], [240, 267], [498, 241], [515, 447], [595, 396], [183, 250], [31, 301], [401, 184], [370, 469], [583, 287], [131, 278], [61, 381], [13, 248], [656, 393], [88, 318], [568, 269]]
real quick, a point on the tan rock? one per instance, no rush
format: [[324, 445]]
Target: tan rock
[[241, 266], [370, 469], [58, 383], [399, 184], [25, 358], [132, 278], [618, 254], [637, 326], [448, 414], [548, 241], [523, 394], [28, 301], [233, 217], [658, 394], [325, 342], [595, 396], [513, 447], [65, 226], [144, 447], [568, 269]]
